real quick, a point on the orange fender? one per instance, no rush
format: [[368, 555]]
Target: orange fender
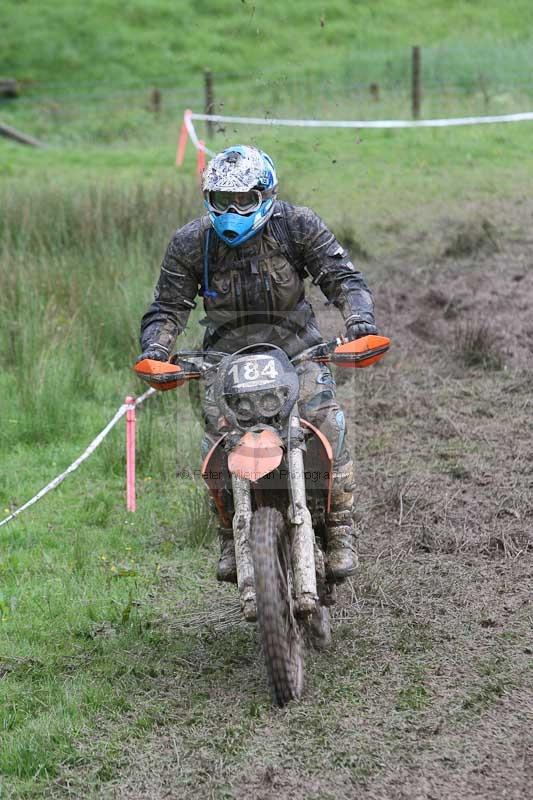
[[256, 455], [214, 473]]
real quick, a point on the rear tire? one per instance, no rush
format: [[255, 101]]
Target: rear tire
[[279, 630]]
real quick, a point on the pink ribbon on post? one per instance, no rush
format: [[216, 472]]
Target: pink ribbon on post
[[131, 503]]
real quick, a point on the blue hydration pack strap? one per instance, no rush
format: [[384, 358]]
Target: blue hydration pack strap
[[206, 291]]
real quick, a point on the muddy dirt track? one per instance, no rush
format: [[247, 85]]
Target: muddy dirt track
[[427, 692]]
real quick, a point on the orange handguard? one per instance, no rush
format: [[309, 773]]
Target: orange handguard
[[360, 352], [160, 375]]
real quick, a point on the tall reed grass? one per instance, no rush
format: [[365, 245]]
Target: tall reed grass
[[78, 269]]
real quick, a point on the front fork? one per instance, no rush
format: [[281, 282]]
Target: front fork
[[242, 526], [302, 538]]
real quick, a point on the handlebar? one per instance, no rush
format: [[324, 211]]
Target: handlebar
[[183, 365], [316, 352], [321, 351]]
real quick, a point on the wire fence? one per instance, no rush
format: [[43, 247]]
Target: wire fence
[[286, 98], [447, 82], [485, 67], [289, 85]]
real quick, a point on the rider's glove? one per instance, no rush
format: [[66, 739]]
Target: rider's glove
[[357, 326], [154, 351]]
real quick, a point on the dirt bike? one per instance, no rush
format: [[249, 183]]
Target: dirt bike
[[269, 474]]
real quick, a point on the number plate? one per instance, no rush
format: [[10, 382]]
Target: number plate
[[254, 371]]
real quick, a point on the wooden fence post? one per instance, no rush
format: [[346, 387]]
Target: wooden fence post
[[155, 100], [416, 82], [9, 88], [209, 102]]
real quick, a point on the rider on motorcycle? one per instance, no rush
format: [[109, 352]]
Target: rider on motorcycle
[[248, 257]]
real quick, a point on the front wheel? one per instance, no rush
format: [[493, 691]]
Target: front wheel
[[279, 630]]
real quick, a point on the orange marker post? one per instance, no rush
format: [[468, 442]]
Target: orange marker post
[[182, 142]]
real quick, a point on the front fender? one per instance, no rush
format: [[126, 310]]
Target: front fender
[[256, 455]]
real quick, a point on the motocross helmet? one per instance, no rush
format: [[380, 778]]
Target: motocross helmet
[[239, 186]]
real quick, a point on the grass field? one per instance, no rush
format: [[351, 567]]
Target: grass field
[[86, 93], [99, 43], [124, 671]]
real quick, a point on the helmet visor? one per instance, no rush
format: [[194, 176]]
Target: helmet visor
[[241, 202]]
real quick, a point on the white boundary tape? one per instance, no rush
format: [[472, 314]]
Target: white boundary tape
[[192, 133], [84, 456], [330, 123]]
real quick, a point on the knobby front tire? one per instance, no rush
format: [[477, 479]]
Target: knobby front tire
[[279, 631]]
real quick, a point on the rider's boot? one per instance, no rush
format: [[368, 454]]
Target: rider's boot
[[342, 558], [227, 565]]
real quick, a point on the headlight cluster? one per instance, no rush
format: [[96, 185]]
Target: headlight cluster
[[257, 405]]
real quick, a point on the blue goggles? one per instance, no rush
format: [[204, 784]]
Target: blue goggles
[[241, 202]]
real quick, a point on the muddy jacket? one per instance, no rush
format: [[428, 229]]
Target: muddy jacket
[[255, 292]]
